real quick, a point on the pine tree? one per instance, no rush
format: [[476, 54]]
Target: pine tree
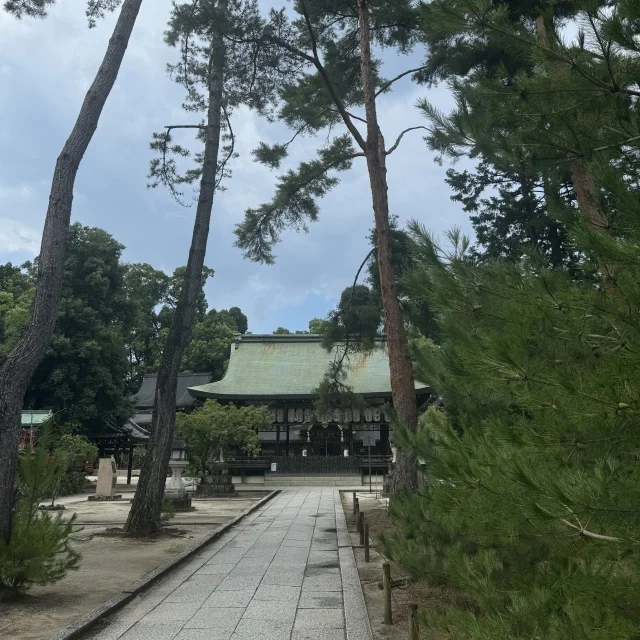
[[221, 68], [529, 512], [331, 42], [38, 550], [20, 364]]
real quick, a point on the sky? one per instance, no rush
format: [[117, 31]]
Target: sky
[[46, 67]]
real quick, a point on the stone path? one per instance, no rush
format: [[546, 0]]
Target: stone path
[[285, 572]]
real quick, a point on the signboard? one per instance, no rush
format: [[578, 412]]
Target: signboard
[[369, 441]]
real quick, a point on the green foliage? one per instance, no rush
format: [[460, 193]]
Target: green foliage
[[322, 92], [281, 331], [252, 76], [28, 8], [510, 215], [82, 376], [38, 551], [209, 347], [294, 203], [529, 513], [78, 451], [16, 295], [534, 102], [96, 9], [316, 325], [213, 429], [70, 483], [146, 288], [532, 473]]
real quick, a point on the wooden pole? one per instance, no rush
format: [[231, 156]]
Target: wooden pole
[[366, 543], [130, 464], [362, 525], [414, 631], [386, 585], [357, 516], [354, 502]]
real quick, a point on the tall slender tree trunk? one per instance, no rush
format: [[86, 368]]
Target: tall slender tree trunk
[[19, 367], [147, 504], [584, 185], [400, 365]]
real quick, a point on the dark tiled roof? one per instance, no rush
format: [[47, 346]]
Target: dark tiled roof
[[128, 432], [292, 366], [143, 399]]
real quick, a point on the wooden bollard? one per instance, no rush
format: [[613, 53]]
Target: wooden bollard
[[358, 520], [354, 502], [362, 526], [366, 543], [414, 630], [386, 586]]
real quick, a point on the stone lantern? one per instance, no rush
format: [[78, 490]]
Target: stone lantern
[[175, 491]]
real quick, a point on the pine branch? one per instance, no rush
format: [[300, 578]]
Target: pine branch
[[328, 84], [386, 85], [294, 200], [589, 534], [397, 143]]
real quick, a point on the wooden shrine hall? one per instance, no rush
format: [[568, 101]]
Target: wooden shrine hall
[[282, 372]]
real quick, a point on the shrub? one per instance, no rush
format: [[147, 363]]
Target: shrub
[[38, 551], [79, 451]]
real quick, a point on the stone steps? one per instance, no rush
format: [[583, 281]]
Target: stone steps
[[277, 480]]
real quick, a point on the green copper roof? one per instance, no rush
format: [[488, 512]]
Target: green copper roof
[[292, 366], [35, 418]]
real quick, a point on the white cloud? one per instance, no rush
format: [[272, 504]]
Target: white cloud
[[51, 63], [16, 237]]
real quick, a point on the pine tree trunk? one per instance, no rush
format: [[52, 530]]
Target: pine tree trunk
[[400, 365], [147, 504], [20, 365], [584, 185]]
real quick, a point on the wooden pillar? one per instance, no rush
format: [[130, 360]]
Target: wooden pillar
[[386, 585], [287, 445], [130, 465], [277, 440], [116, 451]]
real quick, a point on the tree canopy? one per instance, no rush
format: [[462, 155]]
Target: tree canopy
[[213, 429], [110, 331]]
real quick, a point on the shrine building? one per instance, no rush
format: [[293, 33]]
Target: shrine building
[[282, 372]]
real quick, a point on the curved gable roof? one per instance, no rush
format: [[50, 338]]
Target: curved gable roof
[[143, 399], [265, 367]]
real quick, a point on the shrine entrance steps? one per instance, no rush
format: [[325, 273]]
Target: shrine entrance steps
[[288, 480]]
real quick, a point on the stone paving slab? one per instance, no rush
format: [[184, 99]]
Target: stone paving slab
[[284, 573]]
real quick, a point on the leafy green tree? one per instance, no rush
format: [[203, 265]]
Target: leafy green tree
[[23, 360], [316, 325], [210, 346], [16, 295], [510, 216], [146, 289], [212, 430], [240, 319], [82, 376], [221, 67], [281, 331], [331, 41], [78, 450], [38, 550]]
